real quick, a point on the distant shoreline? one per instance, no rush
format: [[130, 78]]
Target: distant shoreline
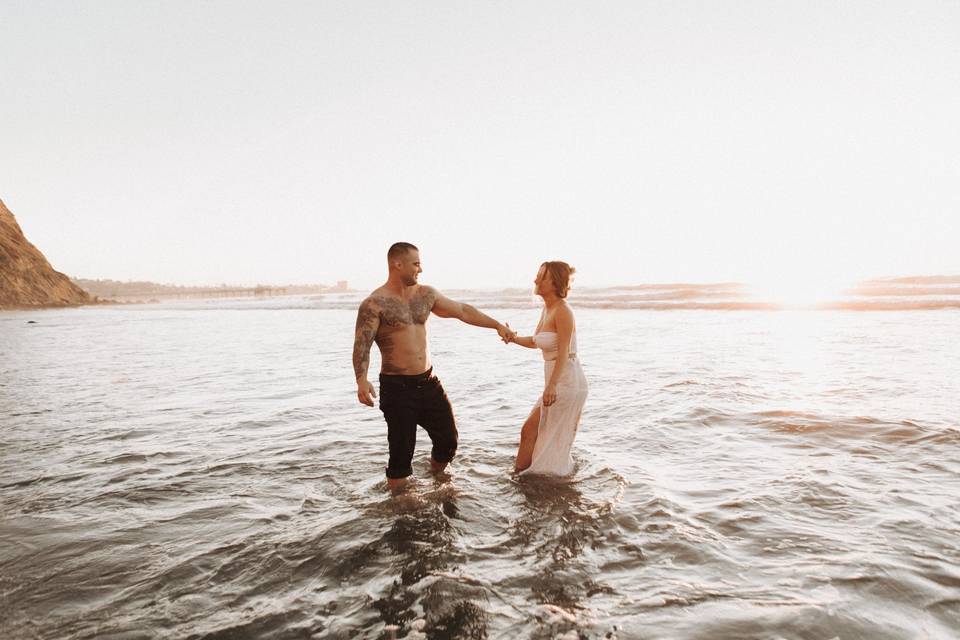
[[348, 300], [144, 291], [917, 293]]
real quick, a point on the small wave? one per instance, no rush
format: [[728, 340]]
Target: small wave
[[903, 432], [681, 383], [128, 434], [125, 458]]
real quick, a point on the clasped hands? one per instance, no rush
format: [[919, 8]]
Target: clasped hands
[[506, 333]]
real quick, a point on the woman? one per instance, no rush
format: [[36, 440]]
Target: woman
[[547, 435]]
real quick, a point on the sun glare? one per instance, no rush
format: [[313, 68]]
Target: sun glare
[[798, 291]]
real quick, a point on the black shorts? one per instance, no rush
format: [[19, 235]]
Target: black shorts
[[407, 401]]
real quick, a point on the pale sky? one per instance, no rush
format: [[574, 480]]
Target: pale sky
[[292, 142]]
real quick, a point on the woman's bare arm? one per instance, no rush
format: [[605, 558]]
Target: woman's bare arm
[[524, 341], [565, 323]]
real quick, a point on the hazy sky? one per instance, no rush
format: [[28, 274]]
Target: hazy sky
[[246, 142]]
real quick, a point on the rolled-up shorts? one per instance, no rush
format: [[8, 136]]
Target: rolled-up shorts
[[408, 401]]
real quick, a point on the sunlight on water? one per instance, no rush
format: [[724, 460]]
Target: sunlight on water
[[799, 289]]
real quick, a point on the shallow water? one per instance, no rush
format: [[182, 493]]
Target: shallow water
[[203, 470]]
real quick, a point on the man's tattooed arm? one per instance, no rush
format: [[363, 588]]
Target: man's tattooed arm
[[368, 321]]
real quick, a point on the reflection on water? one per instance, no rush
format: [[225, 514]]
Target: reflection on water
[[556, 525], [420, 560], [421, 546], [194, 473]]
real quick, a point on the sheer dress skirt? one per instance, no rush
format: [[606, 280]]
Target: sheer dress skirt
[[559, 422]]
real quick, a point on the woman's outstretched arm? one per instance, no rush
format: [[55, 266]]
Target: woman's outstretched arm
[[524, 341]]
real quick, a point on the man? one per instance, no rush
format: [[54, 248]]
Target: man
[[395, 317]]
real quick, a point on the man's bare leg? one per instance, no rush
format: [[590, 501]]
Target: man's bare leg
[[528, 440], [396, 483], [437, 467]]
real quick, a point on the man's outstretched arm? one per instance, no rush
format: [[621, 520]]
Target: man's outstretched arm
[[447, 308], [368, 321]]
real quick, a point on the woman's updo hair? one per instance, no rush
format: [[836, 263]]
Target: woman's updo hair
[[561, 274]]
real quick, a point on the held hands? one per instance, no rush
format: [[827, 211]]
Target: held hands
[[549, 394], [365, 392], [506, 333]]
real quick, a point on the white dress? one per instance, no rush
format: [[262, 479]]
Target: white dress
[[558, 422]]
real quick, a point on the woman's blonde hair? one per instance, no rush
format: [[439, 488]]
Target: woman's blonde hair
[[561, 274]]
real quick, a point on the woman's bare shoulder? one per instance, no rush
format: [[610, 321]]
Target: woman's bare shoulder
[[563, 312]]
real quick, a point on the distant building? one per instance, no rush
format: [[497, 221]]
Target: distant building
[[341, 285]]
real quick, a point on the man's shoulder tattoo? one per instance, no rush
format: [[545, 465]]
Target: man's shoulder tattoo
[[368, 311]]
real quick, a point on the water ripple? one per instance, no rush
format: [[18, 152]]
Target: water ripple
[[185, 473]]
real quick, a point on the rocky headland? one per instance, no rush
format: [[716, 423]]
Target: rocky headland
[[27, 281]]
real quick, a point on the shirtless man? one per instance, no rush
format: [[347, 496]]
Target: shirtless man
[[395, 317]]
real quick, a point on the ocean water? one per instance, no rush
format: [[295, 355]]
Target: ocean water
[[203, 470]]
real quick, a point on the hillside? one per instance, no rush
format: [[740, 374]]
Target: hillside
[[26, 278]]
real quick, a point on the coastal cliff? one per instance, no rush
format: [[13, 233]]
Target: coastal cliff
[[26, 278]]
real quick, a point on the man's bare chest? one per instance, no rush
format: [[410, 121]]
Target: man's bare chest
[[396, 312]]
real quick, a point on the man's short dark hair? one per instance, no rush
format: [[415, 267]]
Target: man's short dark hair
[[398, 249]]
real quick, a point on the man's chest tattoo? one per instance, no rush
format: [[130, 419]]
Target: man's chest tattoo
[[395, 312]]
